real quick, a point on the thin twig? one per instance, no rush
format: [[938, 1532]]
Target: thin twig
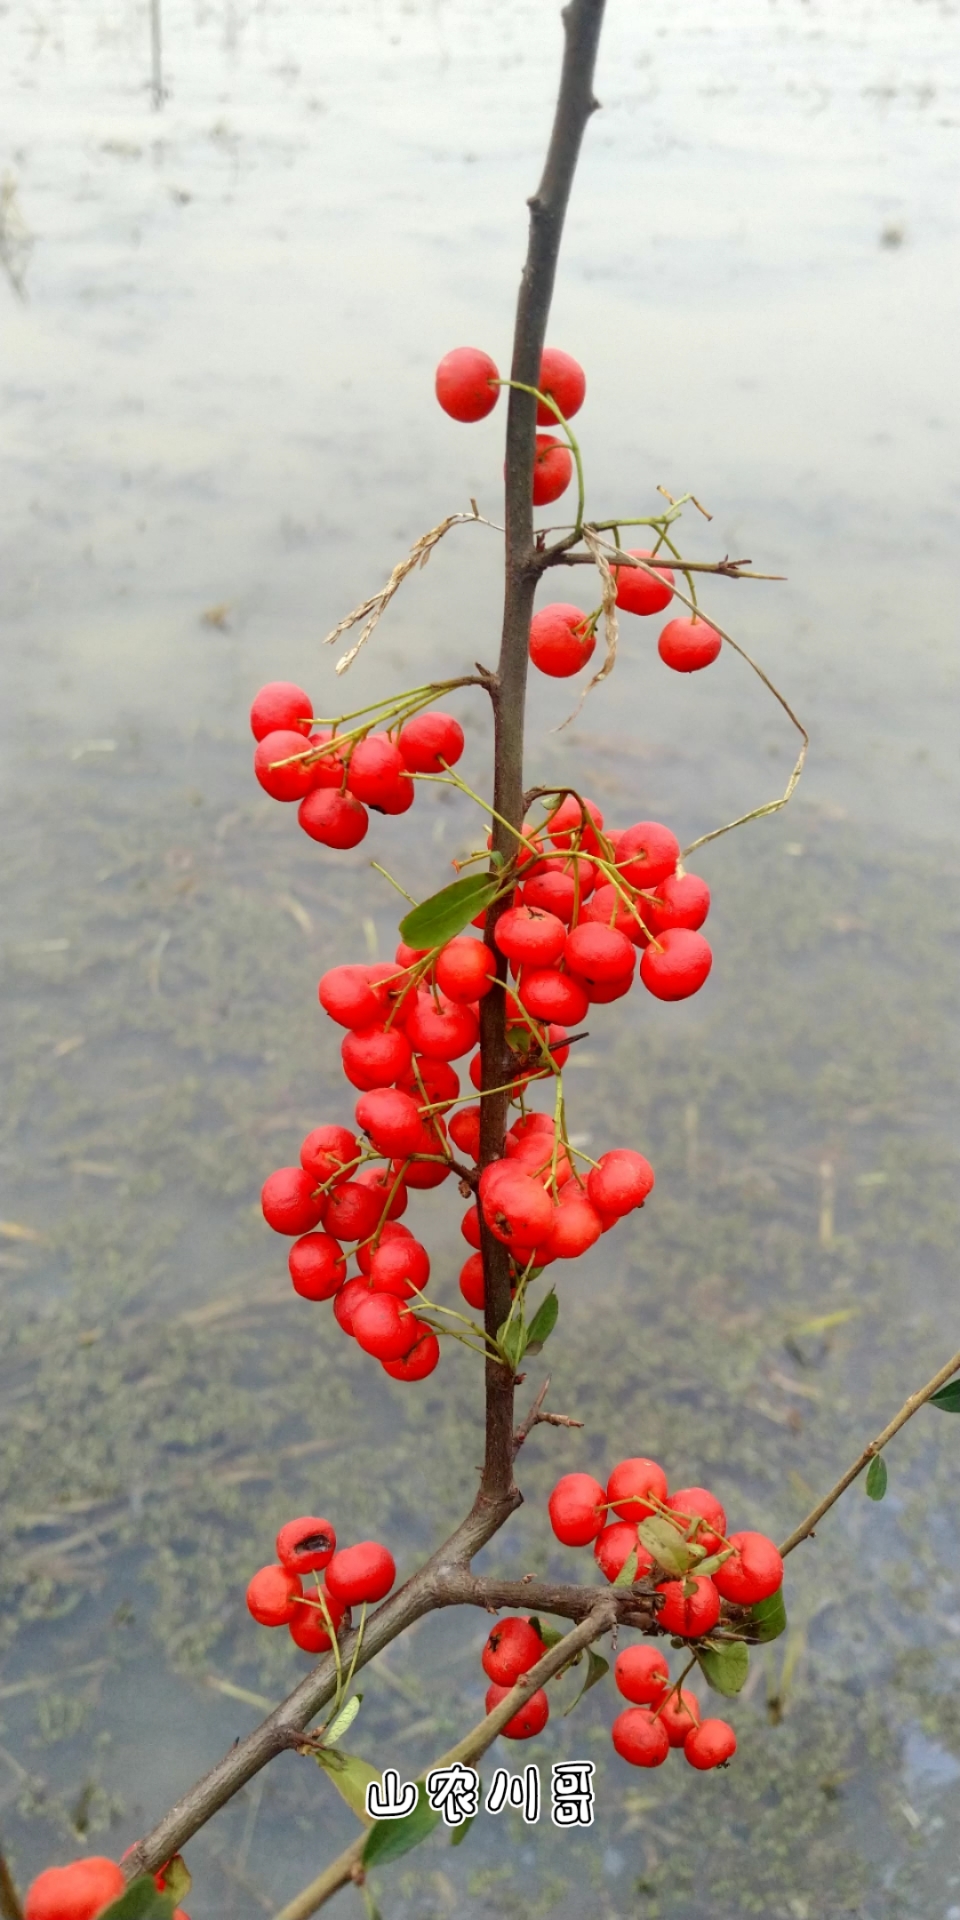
[[10, 1906], [371, 609], [537, 1418], [907, 1411]]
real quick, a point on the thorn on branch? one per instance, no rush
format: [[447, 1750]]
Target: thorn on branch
[[537, 1418]]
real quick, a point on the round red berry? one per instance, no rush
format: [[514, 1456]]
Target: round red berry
[[335, 819], [688, 645], [620, 1181], [289, 1201], [317, 1266], [677, 966], [419, 1362], [353, 1211], [308, 1629], [444, 1031], [599, 954], [430, 742], [512, 1648], [390, 1118], [281, 708], [682, 900], [78, 1892], [472, 1283], [384, 1327], [306, 1545], [711, 1744], [279, 767], [562, 640], [577, 1509], [753, 1572], [647, 852], [576, 1225], [689, 1613], [529, 936], [465, 969], [552, 469], [563, 378], [614, 1546], [639, 592], [272, 1595], [693, 1504], [466, 384], [641, 1674], [679, 1714], [639, 1738], [375, 1056], [636, 1487], [364, 1572], [529, 1720], [551, 995], [400, 1266], [327, 1152]]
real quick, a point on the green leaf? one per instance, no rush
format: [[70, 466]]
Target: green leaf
[[551, 1636], [715, 1560], [543, 1323], [351, 1777], [445, 914], [177, 1878], [725, 1667], [947, 1398], [876, 1478], [628, 1572], [141, 1901], [512, 1339], [343, 1721], [459, 1835], [597, 1666], [669, 1548], [388, 1839], [768, 1619]]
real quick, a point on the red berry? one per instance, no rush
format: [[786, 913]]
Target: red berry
[[306, 1545], [689, 1614], [344, 1302], [641, 1674], [400, 1266], [678, 966], [753, 1572], [525, 1128], [329, 769], [711, 1744], [647, 853], [272, 1595], [635, 1488], [308, 1628], [375, 1056], [353, 1211], [613, 1547], [576, 1225], [530, 1719], [389, 1187], [679, 1715], [289, 1203], [512, 1648], [693, 1503], [430, 741], [384, 1327], [77, 1892], [688, 645], [375, 766], [465, 969], [563, 378], [600, 955], [444, 1031], [620, 1181], [440, 1080], [279, 766], [465, 1131], [281, 708], [470, 1226], [518, 1209], [577, 1508], [335, 819], [562, 640], [317, 1266], [529, 936], [639, 1738], [552, 469], [356, 996], [327, 1151], [551, 995], [607, 908], [638, 592], [419, 1362], [390, 1118], [364, 1572], [471, 1282], [567, 826], [391, 1230], [554, 893], [682, 900], [422, 1174], [464, 384]]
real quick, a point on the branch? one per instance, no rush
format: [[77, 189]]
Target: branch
[[10, 1906], [907, 1411], [726, 568], [537, 1418]]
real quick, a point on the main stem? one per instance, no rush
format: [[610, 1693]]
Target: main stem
[[582, 21]]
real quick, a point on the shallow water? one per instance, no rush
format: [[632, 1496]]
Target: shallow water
[[217, 395]]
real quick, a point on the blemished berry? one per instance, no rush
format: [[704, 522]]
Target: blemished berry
[[375, 1056], [289, 1201], [327, 1152], [647, 853], [711, 1744], [308, 1629], [639, 592], [471, 1282], [639, 1738], [519, 1210], [512, 1648], [419, 1362], [430, 741], [465, 1131], [364, 1572], [576, 1225], [336, 819], [641, 1675], [554, 893], [280, 772], [281, 707], [682, 900], [306, 1545], [351, 998], [563, 378], [529, 1720], [599, 955], [352, 1211], [687, 645], [383, 1327], [374, 769], [689, 1614], [466, 384], [636, 1487], [400, 1266], [272, 1595], [567, 825], [529, 936], [562, 640], [577, 1509], [680, 1713], [691, 1504], [552, 469], [620, 1181], [77, 1892], [443, 1032], [613, 1547], [677, 966], [317, 1266], [465, 969], [551, 995], [390, 1118], [753, 1572]]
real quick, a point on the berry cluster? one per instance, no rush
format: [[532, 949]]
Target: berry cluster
[[355, 1575], [80, 1891], [337, 777], [468, 388]]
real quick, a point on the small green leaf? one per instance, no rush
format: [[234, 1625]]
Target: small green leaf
[[725, 1667], [876, 1478], [543, 1323], [343, 1721], [628, 1572], [458, 1837], [512, 1339], [445, 914], [551, 1636], [177, 1878], [388, 1839], [351, 1777], [597, 1666], [768, 1619], [141, 1901], [715, 1560], [947, 1398], [669, 1548]]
